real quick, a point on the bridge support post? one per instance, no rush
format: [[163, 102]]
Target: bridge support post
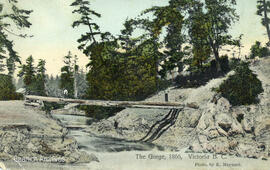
[[166, 97]]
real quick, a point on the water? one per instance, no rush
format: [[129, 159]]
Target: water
[[91, 143]]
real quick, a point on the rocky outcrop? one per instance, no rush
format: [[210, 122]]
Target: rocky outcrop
[[43, 140], [226, 130], [208, 123], [242, 130]]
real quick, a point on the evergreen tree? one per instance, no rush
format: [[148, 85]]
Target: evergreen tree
[[83, 9], [122, 76], [75, 76], [40, 78], [263, 8], [168, 17], [89, 40], [34, 78], [81, 83], [19, 17], [51, 77], [7, 89], [68, 71], [28, 71]]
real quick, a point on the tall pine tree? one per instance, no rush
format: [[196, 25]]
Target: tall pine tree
[[263, 9], [28, 71], [68, 74], [41, 78], [19, 18], [89, 38]]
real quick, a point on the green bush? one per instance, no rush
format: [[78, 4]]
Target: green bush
[[243, 87], [257, 50], [234, 62], [224, 63], [7, 89]]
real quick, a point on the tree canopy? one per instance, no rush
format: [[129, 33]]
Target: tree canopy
[[19, 18], [34, 78]]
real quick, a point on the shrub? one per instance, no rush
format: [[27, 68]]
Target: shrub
[[243, 87], [234, 62], [7, 89], [163, 84], [224, 63], [257, 50], [198, 78]]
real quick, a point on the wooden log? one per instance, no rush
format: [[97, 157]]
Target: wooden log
[[32, 104], [125, 104]]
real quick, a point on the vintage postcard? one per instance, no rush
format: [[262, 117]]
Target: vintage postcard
[[134, 84]]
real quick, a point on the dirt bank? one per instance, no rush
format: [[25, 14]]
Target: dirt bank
[[32, 135]]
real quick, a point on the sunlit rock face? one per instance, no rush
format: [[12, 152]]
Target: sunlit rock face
[[208, 123]]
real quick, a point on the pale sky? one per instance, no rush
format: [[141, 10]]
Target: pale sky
[[54, 36]]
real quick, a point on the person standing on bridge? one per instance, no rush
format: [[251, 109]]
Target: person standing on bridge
[[65, 93]]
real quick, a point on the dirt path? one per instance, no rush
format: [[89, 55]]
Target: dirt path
[[14, 112]]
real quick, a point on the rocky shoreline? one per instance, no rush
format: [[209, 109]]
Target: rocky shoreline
[[37, 138]]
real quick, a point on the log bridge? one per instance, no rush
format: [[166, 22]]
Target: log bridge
[[155, 131], [37, 101]]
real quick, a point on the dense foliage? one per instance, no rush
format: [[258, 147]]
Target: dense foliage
[[7, 89], [122, 77], [19, 18], [34, 78], [10, 15], [128, 67], [68, 75], [257, 50], [243, 87], [114, 75]]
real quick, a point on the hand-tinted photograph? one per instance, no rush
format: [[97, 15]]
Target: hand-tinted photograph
[[134, 84]]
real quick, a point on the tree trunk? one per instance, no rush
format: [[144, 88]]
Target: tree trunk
[[45, 87], [266, 21], [216, 55], [75, 81]]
